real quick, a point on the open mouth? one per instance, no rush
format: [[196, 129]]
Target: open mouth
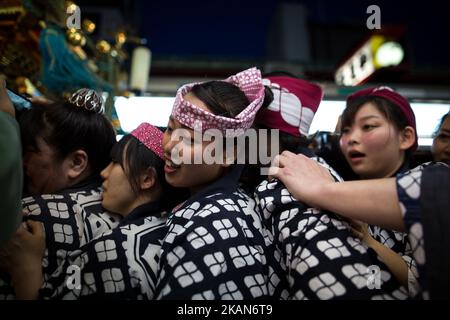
[[356, 155], [170, 166]]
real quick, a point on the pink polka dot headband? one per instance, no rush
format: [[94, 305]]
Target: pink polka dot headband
[[248, 81]]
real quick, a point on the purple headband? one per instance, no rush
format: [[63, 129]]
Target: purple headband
[[151, 137], [248, 81]]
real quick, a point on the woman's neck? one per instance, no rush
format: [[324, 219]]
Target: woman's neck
[[388, 173], [144, 198]]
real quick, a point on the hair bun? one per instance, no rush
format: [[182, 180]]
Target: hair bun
[[88, 99]]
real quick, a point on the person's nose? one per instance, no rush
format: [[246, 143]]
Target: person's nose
[[105, 172], [353, 137]]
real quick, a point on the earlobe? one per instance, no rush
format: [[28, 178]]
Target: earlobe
[[408, 138], [77, 163], [148, 179]]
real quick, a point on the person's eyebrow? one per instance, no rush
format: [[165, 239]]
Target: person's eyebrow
[[369, 117]]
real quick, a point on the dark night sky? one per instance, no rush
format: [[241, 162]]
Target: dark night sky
[[238, 28]]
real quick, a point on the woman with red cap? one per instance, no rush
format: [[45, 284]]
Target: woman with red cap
[[378, 137], [415, 202], [321, 257]]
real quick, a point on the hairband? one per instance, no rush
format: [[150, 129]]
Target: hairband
[[151, 137], [88, 99], [248, 81]]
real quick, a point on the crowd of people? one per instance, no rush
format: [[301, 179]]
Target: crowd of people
[[196, 212]]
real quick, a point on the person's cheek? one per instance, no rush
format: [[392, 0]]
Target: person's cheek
[[343, 142], [372, 141]]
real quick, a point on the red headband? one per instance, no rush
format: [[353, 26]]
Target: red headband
[[392, 96]]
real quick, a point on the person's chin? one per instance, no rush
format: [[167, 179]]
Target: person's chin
[[174, 182], [106, 204], [360, 169]]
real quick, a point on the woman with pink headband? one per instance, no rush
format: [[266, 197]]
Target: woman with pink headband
[[121, 263], [216, 247]]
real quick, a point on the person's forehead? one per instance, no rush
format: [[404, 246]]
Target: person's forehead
[[368, 109], [190, 97]]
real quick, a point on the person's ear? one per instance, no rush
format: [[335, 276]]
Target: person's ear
[[407, 138], [76, 163], [148, 179]]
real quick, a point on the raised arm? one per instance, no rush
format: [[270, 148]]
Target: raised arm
[[372, 201]]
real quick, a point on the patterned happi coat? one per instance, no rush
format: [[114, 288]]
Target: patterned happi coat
[[424, 202], [322, 258], [399, 243], [218, 248], [71, 218], [119, 264]]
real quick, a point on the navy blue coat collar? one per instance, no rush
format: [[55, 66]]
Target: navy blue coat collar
[[154, 209], [228, 183]]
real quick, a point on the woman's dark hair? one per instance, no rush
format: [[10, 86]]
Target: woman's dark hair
[[279, 74], [222, 98], [67, 128], [445, 116], [135, 158], [392, 113], [226, 99]]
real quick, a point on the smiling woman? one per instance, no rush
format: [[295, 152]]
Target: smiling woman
[[196, 174], [215, 247]]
